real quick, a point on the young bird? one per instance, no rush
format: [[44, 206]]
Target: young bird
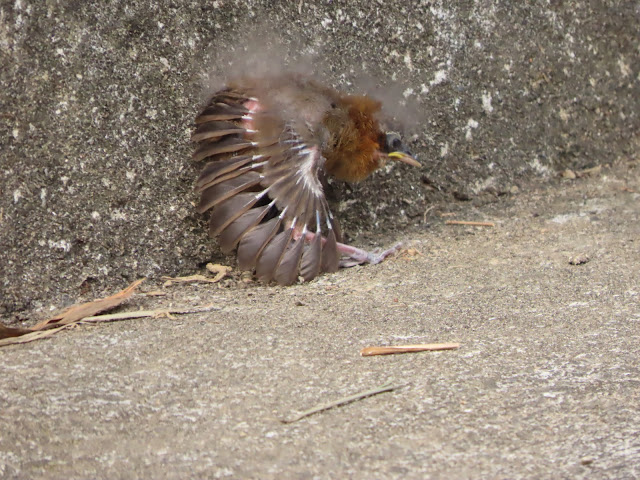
[[269, 142]]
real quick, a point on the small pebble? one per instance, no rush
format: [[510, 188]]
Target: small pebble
[[580, 259]]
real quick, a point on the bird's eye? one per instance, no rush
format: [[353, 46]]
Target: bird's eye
[[393, 142]]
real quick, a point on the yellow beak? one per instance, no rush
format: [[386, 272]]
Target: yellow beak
[[404, 158]]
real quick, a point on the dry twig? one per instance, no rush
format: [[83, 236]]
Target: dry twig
[[475, 224], [220, 272], [426, 212], [387, 387], [188, 279], [31, 335], [425, 347], [114, 317], [86, 313]]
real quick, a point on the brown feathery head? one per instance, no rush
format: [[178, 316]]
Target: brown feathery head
[[354, 138], [357, 146]]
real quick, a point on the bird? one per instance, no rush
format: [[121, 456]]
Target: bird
[[269, 144]]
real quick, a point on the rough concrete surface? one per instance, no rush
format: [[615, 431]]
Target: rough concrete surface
[[98, 99], [546, 383], [96, 105]]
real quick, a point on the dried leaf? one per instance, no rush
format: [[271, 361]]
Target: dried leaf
[[590, 171], [112, 317], [32, 336], [78, 312], [8, 332], [220, 271], [71, 315]]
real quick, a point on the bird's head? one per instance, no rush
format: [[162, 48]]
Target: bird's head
[[395, 149], [357, 145]]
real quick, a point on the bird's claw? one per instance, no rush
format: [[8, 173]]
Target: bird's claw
[[374, 258], [358, 256]]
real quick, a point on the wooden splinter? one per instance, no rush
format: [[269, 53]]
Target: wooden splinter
[[425, 347]]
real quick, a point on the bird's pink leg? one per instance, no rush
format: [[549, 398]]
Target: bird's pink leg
[[357, 256]]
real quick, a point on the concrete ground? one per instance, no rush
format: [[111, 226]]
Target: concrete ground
[[546, 383]]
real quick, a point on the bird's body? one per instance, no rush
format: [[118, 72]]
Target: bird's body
[[269, 143]]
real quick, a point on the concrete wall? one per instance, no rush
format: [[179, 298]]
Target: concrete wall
[[97, 100]]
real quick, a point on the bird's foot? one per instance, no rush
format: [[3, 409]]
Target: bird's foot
[[358, 256], [355, 256]]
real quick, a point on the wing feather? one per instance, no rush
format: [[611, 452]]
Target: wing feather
[[271, 256], [287, 271], [231, 235], [311, 262], [254, 241], [217, 111], [218, 192], [215, 129], [215, 170], [227, 145], [229, 210], [330, 257], [262, 185]]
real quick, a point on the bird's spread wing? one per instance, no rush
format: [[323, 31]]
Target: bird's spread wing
[[262, 186]]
